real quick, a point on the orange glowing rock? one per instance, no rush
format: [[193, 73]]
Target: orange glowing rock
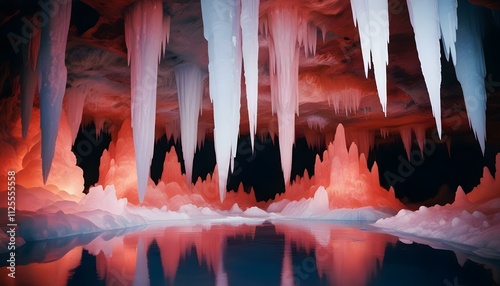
[[346, 177], [23, 157]]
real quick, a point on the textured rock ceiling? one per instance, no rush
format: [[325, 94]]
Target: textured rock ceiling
[[96, 56]]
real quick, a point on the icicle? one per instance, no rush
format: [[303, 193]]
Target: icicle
[[202, 131], [307, 37], [144, 28], [323, 32], [250, 45], [448, 22], [470, 68], [75, 99], [373, 25], [405, 133], [238, 63], [316, 122], [221, 29], [420, 135], [189, 78], [424, 18], [52, 75], [384, 132], [29, 79], [284, 69]]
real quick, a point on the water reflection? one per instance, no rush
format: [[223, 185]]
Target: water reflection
[[285, 253]]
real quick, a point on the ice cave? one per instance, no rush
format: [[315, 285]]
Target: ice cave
[[250, 142]]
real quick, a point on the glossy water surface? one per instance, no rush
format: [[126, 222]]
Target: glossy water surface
[[255, 253]]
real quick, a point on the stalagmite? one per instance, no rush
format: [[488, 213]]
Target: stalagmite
[[146, 31], [448, 22], [470, 68], [189, 78], [221, 29], [250, 47], [424, 17], [372, 18], [284, 68], [52, 75]]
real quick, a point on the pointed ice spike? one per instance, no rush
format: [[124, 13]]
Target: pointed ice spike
[[470, 68], [372, 18], [29, 79], [284, 23], [52, 75], [189, 79], [405, 133], [448, 22], [424, 18], [420, 136], [220, 28], [250, 46], [75, 99], [144, 31]]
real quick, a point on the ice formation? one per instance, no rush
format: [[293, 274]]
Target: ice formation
[[471, 220], [29, 78], [372, 18], [189, 78], [348, 182], [448, 22], [405, 133], [470, 68], [250, 48], [419, 131], [146, 33], [52, 75], [23, 156], [75, 99], [221, 26], [283, 24], [424, 17]]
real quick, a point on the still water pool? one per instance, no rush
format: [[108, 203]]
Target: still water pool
[[251, 253]]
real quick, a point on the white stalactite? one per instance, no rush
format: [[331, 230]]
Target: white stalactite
[[75, 99], [250, 46], [145, 35], [424, 17], [470, 68], [405, 132], [29, 79], [284, 69], [221, 28], [52, 76], [372, 17], [189, 79], [448, 21]]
